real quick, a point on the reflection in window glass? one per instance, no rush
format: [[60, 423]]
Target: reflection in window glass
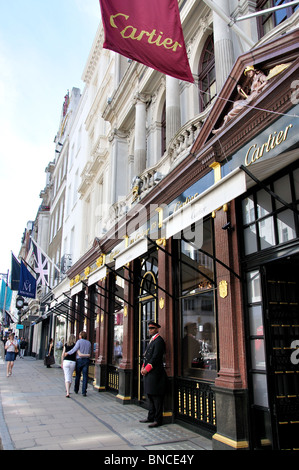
[[255, 320], [266, 221], [260, 394], [254, 287], [271, 19], [118, 322], [266, 231], [199, 348], [283, 189], [118, 338], [286, 226], [264, 204], [258, 361], [250, 240], [248, 210]]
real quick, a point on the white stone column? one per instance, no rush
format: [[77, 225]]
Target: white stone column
[[173, 111], [118, 171], [223, 46], [140, 135]]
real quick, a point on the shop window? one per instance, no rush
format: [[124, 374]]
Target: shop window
[[199, 345], [269, 20], [207, 75], [60, 337], [116, 321], [267, 222], [256, 338]]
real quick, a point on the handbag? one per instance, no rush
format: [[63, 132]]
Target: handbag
[[49, 361]]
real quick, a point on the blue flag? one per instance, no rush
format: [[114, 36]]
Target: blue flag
[[15, 273], [27, 287], [5, 296]]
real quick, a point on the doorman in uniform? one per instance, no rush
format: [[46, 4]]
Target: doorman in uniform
[[154, 375]]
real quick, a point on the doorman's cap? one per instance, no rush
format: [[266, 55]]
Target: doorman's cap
[[153, 323]]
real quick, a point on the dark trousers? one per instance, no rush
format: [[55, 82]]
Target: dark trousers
[[81, 367], [155, 412]]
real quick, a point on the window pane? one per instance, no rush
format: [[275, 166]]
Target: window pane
[[213, 89], [286, 226], [254, 287], [260, 394], [250, 239], [248, 210], [197, 306], [268, 23], [255, 320], [199, 336], [205, 84], [296, 182], [118, 338], [258, 361], [282, 188], [266, 232], [280, 15], [264, 204]]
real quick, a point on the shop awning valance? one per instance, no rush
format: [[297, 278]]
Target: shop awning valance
[[97, 275], [133, 251], [220, 193]]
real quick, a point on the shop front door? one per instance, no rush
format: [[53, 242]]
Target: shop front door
[[282, 330], [147, 312]]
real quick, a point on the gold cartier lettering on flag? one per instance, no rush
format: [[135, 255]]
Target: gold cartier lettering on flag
[[149, 32]]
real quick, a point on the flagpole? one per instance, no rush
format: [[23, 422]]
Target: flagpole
[[229, 21], [42, 251], [267, 10], [28, 265]]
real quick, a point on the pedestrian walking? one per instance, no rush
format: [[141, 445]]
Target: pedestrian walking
[[155, 378], [83, 347], [49, 359], [11, 348], [23, 346], [68, 363]]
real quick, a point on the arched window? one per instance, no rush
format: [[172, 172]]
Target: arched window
[[206, 75]]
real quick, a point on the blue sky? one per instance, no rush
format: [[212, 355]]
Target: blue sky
[[44, 46]]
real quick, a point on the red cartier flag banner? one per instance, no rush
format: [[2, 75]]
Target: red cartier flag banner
[[148, 31]]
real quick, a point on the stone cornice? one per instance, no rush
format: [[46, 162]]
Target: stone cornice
[[94, 56]]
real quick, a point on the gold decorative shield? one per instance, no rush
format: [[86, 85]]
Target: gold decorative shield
[[223, 289], [161, 303]]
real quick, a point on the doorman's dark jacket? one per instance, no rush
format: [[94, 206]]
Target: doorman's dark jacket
[[155, 380]]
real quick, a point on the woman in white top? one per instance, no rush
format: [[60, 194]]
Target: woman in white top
[[10, 346]]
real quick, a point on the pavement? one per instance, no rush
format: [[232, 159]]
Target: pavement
[[36, 415]]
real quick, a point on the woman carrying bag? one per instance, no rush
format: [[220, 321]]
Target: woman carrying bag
[[49, 359], [11, 347]]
